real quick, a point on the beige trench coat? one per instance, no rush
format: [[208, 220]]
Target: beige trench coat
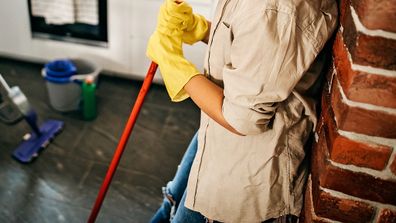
[[264, 54]]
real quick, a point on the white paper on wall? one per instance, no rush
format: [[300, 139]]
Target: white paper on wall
[[59, 12], [87, 11], [56, 12]]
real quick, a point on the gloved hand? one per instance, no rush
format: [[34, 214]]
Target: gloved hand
[[165, 48], [180, 14]]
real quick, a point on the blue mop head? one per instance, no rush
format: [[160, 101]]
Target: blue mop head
[[31, 147]]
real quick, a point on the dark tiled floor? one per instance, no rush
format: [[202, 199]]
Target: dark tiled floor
[[62, 184]]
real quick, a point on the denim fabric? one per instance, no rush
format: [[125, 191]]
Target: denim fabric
[[172, 208], [184, 214]]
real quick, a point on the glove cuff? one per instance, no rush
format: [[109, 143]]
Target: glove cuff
[[178, 78]]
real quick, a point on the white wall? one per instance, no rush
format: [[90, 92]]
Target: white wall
[[130, 23]]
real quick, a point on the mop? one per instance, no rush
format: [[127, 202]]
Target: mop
[[122, 143], [16, 102]]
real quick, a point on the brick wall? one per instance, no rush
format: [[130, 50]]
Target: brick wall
[[353, 176]]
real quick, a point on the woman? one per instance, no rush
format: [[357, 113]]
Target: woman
[[262, 59]]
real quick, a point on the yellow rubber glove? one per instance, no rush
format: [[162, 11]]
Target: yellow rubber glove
[[180, 14], [176, 71]]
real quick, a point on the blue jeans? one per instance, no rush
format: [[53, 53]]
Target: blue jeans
[[172, 208]]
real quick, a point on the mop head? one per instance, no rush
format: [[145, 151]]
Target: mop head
[[33, 143]]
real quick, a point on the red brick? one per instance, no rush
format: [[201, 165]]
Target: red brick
[[360, 120], [387, 216], [327, 205], [367, 50], [376, 14], [307, 214], [393, 166], [356, 184], [347, 151], [344, 210], [344, 9], [361, 86]]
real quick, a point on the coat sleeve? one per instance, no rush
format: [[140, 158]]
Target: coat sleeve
[[269, 55]]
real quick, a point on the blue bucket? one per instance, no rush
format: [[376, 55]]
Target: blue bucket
[[63, 79], [63, 91]]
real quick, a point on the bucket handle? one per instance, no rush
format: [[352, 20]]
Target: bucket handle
[[81, 77]]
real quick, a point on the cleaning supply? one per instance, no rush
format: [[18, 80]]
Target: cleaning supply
[[176, 71], [195, 26], [41, 136], [165, 49], [122, 143], [89, 99], [64, 94]]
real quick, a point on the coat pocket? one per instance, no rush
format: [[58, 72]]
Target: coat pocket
[[221, 46]]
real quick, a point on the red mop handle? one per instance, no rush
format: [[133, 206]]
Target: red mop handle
[[122, 143]]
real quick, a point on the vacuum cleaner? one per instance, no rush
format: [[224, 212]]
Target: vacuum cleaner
[[14, 107]]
